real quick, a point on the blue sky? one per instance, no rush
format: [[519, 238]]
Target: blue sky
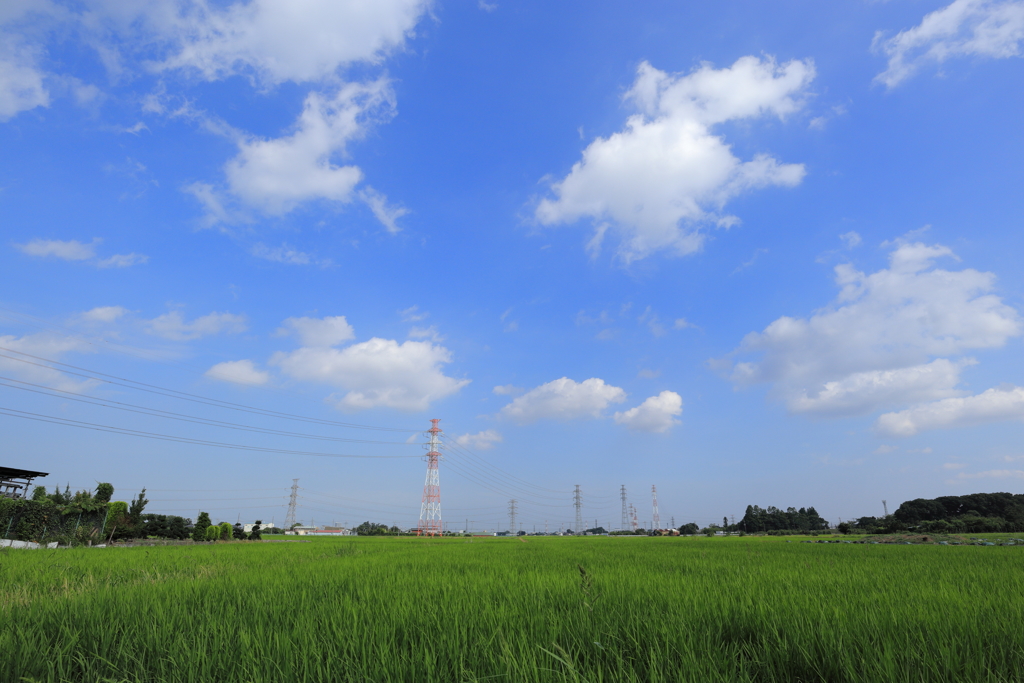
[[749, 254]]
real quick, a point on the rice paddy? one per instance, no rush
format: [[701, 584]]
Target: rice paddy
[[508, 609]]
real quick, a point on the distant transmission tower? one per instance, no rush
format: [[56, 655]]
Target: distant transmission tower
[[625, 515], [656, 519], [673, 521], [632, 513], [289, 519], [512, 516], [430, 508], [885, 506], [577, 501]]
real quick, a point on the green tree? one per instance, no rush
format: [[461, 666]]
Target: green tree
[[117, 520], [254, 535], [238, 532], [104, 492], [39, 494], [225, 531], [202, 524], [213, 532], [137, 506]]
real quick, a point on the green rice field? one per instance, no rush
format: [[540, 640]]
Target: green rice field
[[508, 609]]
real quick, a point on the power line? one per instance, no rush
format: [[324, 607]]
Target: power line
[[181, 395], [155, 412], [38, 417]]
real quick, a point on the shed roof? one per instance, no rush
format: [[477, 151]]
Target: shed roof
[[15, 473]]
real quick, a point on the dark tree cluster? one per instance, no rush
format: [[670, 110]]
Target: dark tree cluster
[[973, 513], [758, 520], [374, 529]]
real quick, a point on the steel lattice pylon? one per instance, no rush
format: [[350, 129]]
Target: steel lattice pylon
[[625, 513], [289, 520], [577, 501], [656, 519], [430, 508]]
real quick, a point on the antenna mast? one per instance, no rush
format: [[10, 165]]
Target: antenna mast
[[430, 507]]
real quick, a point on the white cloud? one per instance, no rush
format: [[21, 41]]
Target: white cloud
[[992, 474], [982, 28], [299, 40], [122, 260], [663, 179], [564, 399], [70, 250], [886, 339], [285, 254], [73, 250], [21, 81], [385, 213], [173, 326], [482, 440], [656, 414], [993, 405], [430, 333], [508, 390], [862, 392], [682, 324], [850, 239], [320, 332], [413, 314], [276, 175], [43, 345], [376, 373], [238, 372], [103, 314]]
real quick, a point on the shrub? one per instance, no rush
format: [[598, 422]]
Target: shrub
[[225, 531], [117, 518], [213, 533]]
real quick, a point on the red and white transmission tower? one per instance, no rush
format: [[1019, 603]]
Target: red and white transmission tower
[[656, 520], [632, 512], [430, 508]]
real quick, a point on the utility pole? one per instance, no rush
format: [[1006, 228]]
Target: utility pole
[[625, 517], [292, 502], [656, 518], [512, 516], [430, 507], [578, 504]]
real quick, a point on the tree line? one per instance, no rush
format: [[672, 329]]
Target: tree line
[[92, 517]]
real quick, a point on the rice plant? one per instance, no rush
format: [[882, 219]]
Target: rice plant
[[499, 609]]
